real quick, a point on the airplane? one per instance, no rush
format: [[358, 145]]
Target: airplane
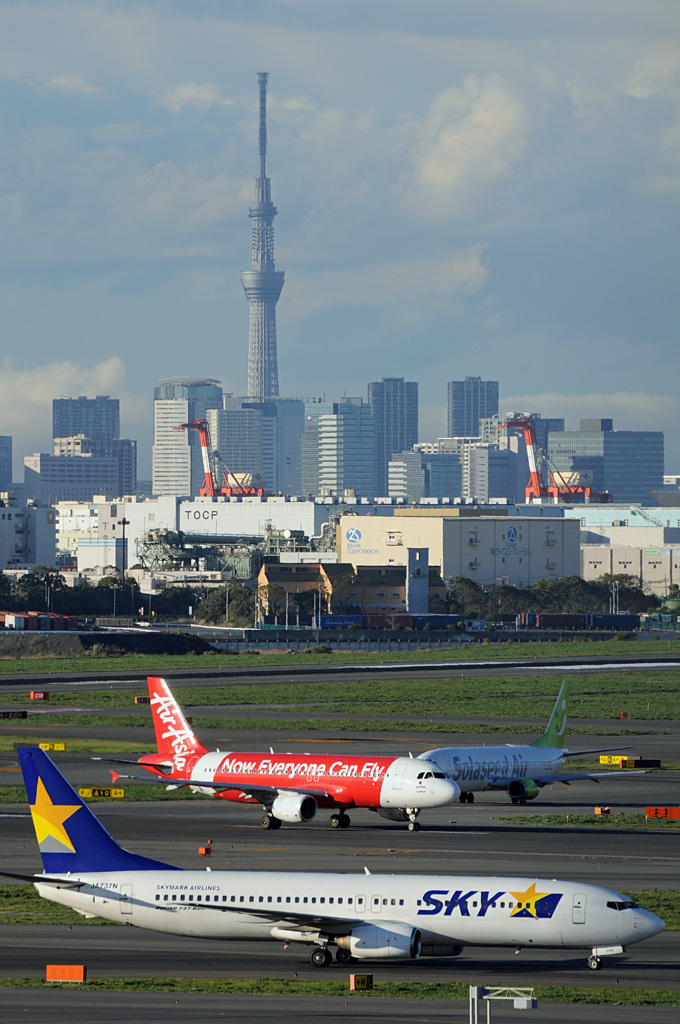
[[290, 787], [522, 771], [364, 916]]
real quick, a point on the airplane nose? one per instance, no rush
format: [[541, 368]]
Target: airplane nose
[[647, 924], [448, 790]]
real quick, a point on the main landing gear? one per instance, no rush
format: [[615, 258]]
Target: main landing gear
[[518, 800], [321, 957], [466, 798], [341, 820], [343, 956], [595, 963], [269, 821]]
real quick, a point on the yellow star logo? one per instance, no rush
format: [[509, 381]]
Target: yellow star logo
[[49, 818], [527, 900]]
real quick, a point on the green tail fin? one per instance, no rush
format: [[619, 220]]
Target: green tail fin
[[554, 734]]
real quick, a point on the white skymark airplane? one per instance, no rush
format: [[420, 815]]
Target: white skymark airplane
[[522, 771], [362, 916]]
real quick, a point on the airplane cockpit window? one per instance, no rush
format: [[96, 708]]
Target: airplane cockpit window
[[621, 904]]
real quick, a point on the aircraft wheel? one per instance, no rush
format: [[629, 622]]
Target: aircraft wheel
[[343, 956], [414, 826], [595, 963], [268, 821], [470, 798], [275, 822], [335, 821], [345, 821], [522, 801], [514, 800], [463, 798], [320, 957]]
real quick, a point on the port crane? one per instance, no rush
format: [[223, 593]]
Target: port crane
[[557, 489], [213, 464]]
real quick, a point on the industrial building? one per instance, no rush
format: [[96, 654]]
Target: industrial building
[[488, 546]]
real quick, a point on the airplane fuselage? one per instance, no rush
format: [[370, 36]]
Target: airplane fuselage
[[334, 780], [481, 768], [428, 913]]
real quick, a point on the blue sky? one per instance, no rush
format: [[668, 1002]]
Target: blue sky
[[464, 187]]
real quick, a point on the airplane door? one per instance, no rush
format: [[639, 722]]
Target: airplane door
[[126, 898], [578, 908], [397, 775], [376, 903], [360, 904]]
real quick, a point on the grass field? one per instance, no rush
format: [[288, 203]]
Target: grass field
[[508, 648], [592, 821], [617, 995]]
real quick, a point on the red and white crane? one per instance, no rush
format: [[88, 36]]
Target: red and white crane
[[557, 489], [211, 460]]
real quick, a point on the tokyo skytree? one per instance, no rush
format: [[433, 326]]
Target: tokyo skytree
[[262, 283]]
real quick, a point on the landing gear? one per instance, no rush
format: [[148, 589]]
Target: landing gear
[[466, 798], [269, 821], [341, 820], [462, 799], [343, 956], [470, 798], [518, 800], [595, 963], [413, 825], [320, 957]]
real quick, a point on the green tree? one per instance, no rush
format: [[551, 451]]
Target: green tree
[[242, 596]]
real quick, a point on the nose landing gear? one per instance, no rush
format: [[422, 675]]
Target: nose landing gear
[[595, 963], [412, 813]]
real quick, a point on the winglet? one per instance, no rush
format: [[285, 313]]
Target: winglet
[[69, 836], [554, 734], [174, 735]]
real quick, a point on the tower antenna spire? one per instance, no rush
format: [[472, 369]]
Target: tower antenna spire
[[262, 283]]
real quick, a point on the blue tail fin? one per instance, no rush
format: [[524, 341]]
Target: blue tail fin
[[69, 836]]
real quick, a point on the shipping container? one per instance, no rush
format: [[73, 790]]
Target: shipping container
[[560, 620], [340, 621], [623, 620]]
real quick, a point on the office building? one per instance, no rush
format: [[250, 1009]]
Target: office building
[[93, 417], [347, 449], [469, 401], [236, 433], [414, 475], [283, 421], [5, 462], [122, 449], [177, 460], [627, 463], [315, 408], [394, 402]]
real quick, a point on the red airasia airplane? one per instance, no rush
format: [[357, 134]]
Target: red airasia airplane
[[291, 787]]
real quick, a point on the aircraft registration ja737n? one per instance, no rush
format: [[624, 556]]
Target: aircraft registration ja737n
[[522, 771], [361, 916], [290, 787]]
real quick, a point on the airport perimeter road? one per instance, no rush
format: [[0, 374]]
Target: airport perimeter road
[[69, 1007]]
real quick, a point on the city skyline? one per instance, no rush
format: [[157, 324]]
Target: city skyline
[[510, 210]]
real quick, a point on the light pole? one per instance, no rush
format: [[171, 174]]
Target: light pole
[[226, 603], [123, 522]]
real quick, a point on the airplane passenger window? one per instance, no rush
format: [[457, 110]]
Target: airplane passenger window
[[261, 899], [393, 902], [297, 899], [304, 899], [182, 898], [384, 903], [313, 899], [269, 899], [241, 899], [339, 899], [165, 896], [198, 898], [287, 899], [401, 903], [158, 896], [349, 899], [251, 899], [330, 899]]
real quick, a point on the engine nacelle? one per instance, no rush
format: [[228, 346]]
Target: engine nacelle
[[388, 941], [392, 813], [523, 789], [294, 807]]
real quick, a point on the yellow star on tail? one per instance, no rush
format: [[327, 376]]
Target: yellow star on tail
[[527, 900], [49, 818]]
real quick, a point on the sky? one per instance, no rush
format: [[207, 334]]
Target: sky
[[465, 187]]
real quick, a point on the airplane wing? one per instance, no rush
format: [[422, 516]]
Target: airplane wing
[[598, 750], [161, 765], [566, 779], [299, 920], [260, 793], [58, 883]]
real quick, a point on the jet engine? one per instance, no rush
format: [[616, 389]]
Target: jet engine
[[294, 807], [523, 789], [440, 949], [382, 941]]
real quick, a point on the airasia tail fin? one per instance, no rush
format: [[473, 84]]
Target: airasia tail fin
[[174, 735]]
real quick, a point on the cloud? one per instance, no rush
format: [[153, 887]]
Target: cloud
[[75, 86], [201, 95], [469, 139], [26, 400], [630, 410]]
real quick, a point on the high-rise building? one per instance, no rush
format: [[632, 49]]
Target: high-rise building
[[177, 460], [262, 283], [627, 463], [5, 462], [394, 403], [469, 401], [282, 427], [122, 449], [93, 417], [414, 475], [347, 449], [236, 433], [309, 476]]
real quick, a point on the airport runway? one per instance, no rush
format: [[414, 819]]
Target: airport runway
[[460, 839]]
